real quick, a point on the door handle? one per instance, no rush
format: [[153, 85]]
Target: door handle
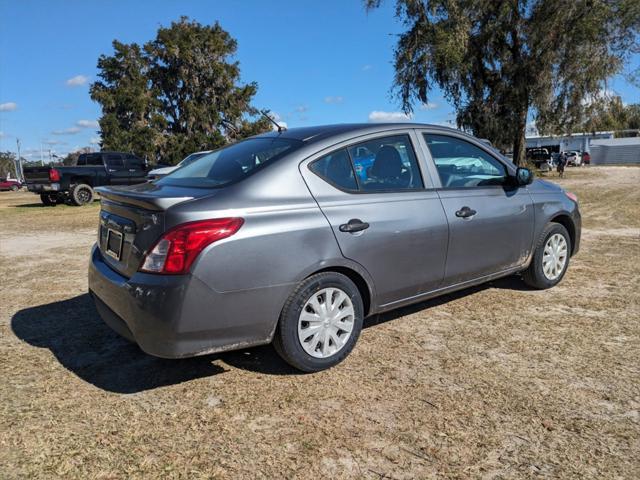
[[354, 225], [465, 212], [132, 170]]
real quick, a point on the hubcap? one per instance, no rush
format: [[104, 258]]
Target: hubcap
[[326, 322], [554, 257], [83, 195]]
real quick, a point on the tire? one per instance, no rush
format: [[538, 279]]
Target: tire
[[287, 340], [81, 194], [14, 188], [48, 199], [535, 275]]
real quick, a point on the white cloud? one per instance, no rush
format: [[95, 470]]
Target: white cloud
[[67, 131], [3, 135], [8, 107], [366, 67], [334, 99], [77, 81], [380, 116], [95, 140], [87, 123], [301, 108], [54, 142], [428, 106]]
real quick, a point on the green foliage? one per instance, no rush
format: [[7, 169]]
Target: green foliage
[[609, 113], [177, 94], [498, 61], [7, 165]]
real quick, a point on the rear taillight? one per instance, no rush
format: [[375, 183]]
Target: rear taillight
[[176, 250], [54, 175], [572, 196]]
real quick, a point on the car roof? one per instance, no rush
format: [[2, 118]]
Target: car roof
[[313, 134]]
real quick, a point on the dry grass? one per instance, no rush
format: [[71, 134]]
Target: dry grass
[[494, 382]]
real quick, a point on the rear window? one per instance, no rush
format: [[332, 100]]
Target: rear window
[[230, 164]]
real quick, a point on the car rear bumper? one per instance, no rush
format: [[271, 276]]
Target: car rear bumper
[[179, 316], [43, 187]]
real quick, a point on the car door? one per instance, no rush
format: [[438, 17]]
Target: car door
[[490, 219], [137, 170], [373, 195], [118, 173]]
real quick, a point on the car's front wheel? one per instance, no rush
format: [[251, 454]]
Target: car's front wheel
[[14, 188], [320, 322], [550, 258]]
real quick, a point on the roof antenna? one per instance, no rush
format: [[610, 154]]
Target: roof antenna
[[278, 126]]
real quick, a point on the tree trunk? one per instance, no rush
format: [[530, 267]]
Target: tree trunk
[[519, 142]]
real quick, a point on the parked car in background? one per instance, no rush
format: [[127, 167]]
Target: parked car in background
[[586, 158], [9, 184], [278, 238], [158, 173], [75, 184], [539, 156], [574, 158]]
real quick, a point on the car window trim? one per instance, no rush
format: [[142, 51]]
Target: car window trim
[[346, 144]]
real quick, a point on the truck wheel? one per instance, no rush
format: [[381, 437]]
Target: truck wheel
[[49, 199], [81, 194], [14, 188]]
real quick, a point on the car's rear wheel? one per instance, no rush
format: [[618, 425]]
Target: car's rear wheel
[[550, 258], [320, 322], [49, 199], [81, 194]]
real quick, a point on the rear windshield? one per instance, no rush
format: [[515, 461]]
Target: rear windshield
[[230, 164]]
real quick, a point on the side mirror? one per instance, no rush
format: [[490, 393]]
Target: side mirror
[[524, 176]]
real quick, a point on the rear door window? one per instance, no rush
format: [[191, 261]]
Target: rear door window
[[93, 159], [135, 162], [386, 164], [114, 161]]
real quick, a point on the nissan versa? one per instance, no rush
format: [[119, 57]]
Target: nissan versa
[[296, 236]]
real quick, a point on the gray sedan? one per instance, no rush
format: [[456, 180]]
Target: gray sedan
[[295, 237]]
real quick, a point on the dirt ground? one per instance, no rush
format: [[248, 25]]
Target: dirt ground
[[497, 381]]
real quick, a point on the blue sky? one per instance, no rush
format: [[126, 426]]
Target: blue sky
[[315, 62]]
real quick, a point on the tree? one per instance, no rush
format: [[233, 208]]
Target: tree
[[178, 94], [501, 62], [131, 119], [7, 164], [610, 113]]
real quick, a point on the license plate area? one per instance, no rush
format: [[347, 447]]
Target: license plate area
[[114, 244]]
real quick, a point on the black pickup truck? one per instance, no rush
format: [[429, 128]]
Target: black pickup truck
[[75, 184]]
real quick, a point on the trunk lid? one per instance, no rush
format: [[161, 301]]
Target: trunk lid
[[132, 219]]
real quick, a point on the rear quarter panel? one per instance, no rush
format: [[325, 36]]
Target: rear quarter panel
[[284, 238]]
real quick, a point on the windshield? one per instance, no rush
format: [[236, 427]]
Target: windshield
[[230, 164]]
